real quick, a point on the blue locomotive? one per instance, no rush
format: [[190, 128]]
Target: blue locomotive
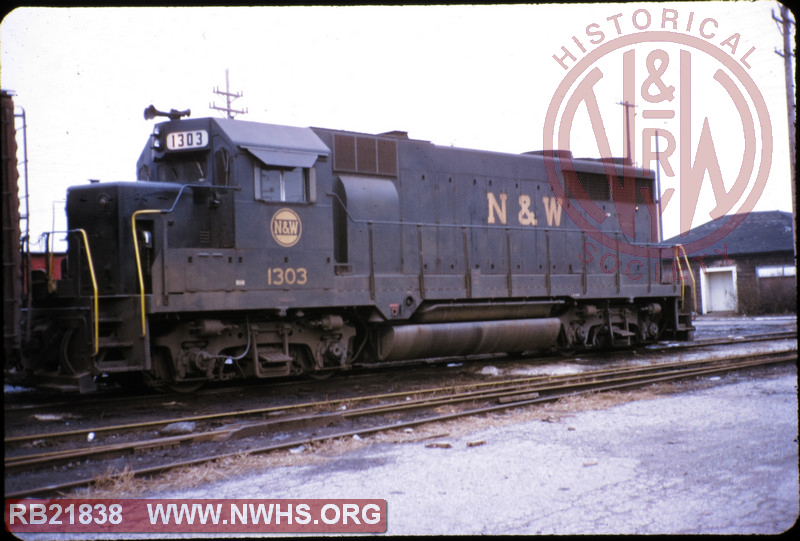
[[256, 250]]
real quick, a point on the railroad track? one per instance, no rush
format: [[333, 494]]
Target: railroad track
[[731, 340], [79, 434], [128, 399], [329, 417]]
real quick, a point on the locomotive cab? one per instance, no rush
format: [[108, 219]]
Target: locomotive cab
[[254, 238]]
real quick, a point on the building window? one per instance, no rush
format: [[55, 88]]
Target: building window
[[284, 184], [775, 271]]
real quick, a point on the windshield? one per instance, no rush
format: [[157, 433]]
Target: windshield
[[185, 168]]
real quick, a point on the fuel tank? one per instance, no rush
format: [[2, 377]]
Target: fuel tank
[[466, 338]]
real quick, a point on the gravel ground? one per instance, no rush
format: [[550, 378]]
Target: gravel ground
[[721, 458]]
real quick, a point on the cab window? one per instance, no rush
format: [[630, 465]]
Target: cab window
[[185, 168], [282, 184]]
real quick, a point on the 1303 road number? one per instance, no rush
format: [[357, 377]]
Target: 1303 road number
[[287, 277], [187, 139]]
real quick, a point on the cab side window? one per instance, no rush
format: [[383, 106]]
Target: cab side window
[[281, 184]]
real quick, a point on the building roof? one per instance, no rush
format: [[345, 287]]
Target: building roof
[[758, 233]]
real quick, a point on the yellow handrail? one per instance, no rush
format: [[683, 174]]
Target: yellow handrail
[[94, 287], [694, 284], [680, 273], [139, 261], [136, 239], [680, 269]]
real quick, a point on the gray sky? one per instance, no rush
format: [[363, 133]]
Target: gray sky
[[470, 76]]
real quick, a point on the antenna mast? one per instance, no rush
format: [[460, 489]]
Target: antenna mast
[[229, 98]]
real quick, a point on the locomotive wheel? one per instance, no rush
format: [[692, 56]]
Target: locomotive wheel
[[567, 353], [185, 386], [303, 363], [162, 376], [563, 347], [75, 354], [320, 376]]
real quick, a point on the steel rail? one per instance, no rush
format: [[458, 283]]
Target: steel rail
[[594, 381], [590, 380], [767, 358], [83, 432], [216, 416], [104, 399], [706, 342]]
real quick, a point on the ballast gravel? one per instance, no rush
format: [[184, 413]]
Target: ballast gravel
[[722, 460], [716, 460]]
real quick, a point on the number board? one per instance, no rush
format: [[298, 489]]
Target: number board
[[180, 140]]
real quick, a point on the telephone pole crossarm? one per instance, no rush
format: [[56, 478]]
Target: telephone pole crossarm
[[229, 99]]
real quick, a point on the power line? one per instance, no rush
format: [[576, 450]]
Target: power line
[[229, 99]]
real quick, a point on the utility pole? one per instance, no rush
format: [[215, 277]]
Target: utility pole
[[659, 210], [785, 22], [229, 98], [627, 107]]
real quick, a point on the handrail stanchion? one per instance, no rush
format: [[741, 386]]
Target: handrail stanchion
[[139, 261], [694, 284], [95, 302]]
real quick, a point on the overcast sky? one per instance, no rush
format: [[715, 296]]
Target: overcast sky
[[476, 77]]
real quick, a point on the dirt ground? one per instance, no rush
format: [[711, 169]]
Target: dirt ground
[[717, 455]]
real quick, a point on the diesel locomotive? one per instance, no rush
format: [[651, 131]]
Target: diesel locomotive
[[252, 250]]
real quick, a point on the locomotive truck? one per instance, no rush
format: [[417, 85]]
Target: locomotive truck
[[253, 250]]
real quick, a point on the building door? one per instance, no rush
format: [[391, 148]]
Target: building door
[[719, 290]]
